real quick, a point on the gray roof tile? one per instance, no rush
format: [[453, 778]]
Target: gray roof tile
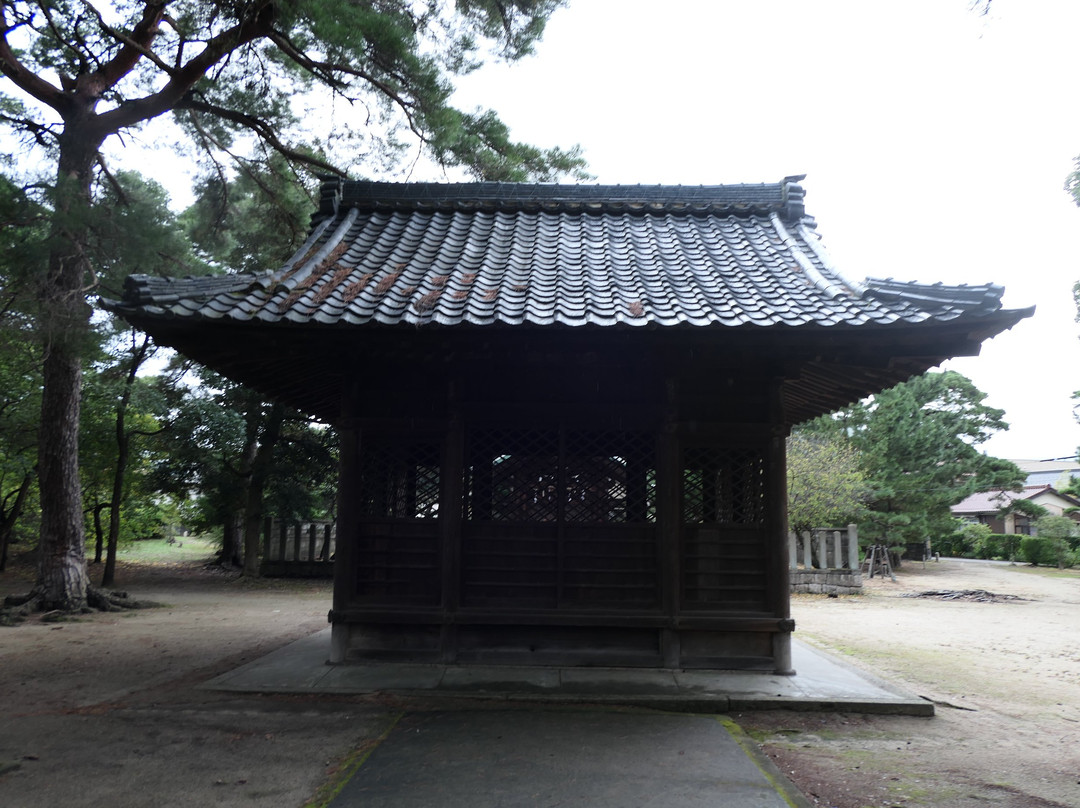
[[490, 253]]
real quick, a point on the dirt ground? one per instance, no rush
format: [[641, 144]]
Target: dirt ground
[[104, 710], [1005, 677]]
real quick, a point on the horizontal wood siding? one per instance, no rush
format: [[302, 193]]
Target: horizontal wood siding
[[510, 565], [612, 566], [723, 569], [398, 563]]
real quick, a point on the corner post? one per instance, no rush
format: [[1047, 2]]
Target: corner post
[[777, 534]]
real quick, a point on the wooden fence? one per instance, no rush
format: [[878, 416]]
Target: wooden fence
[[298, 549]]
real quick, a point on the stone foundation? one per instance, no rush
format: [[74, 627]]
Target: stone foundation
[[826, 582]]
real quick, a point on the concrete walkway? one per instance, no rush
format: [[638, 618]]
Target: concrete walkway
[[565, 757], [822, 682], [501, 737]]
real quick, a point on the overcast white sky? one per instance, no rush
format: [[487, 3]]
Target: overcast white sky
[[936, 143]]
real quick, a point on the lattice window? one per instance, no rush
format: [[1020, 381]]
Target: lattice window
[[609, 478], [514, 476], [581, 477], [723, 486], [400, 481]]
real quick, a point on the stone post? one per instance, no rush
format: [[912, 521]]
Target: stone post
[[853, 547]]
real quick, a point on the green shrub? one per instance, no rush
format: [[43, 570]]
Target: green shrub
[[1054, 544], [997, 545], [1044, 551], [963, 541]]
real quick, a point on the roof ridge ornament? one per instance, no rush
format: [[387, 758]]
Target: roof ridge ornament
[[330, 194], [794, 197]]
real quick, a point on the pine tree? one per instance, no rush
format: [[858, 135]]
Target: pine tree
[[86, 73]]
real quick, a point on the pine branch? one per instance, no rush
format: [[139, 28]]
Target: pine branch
[[258, 127], [26, 80], [327, 72], [134, 46], [251, 27]]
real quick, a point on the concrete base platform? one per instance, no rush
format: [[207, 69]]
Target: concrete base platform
[[821, 682]]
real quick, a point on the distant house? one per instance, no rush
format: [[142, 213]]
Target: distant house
[[1056, 473], [985, 508]]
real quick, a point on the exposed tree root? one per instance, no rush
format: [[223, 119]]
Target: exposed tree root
[[17, 608]]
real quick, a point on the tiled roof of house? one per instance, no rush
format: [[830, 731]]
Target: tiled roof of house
[[991, 501], [489, 254]]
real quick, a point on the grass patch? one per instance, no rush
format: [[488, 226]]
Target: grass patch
[[1048, 572], [160, 551]]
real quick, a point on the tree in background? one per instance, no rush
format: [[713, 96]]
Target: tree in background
[[197, 462], [232, 459], [826, 483], [22, 250], [252, 222], [234, 74], [918, 443]]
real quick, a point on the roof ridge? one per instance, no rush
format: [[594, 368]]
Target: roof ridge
[[785, 197], [815, 275]]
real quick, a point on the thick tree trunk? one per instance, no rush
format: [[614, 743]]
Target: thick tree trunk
[[62, 578], [230, 542]]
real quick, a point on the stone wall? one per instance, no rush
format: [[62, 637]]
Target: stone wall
[[826, 582]]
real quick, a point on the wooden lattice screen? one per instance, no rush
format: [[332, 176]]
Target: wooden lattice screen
[[398, 503], [723, 516], [557, 518]]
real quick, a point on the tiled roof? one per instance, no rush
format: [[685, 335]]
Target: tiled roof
[[492, 254], [991, 501]]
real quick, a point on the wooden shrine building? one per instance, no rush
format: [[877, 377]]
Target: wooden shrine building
[[563, 408]]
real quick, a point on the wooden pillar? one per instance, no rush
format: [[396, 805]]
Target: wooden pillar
[[345, 550], [636, 488], [451, 495], [777, 527], [668, 528]]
